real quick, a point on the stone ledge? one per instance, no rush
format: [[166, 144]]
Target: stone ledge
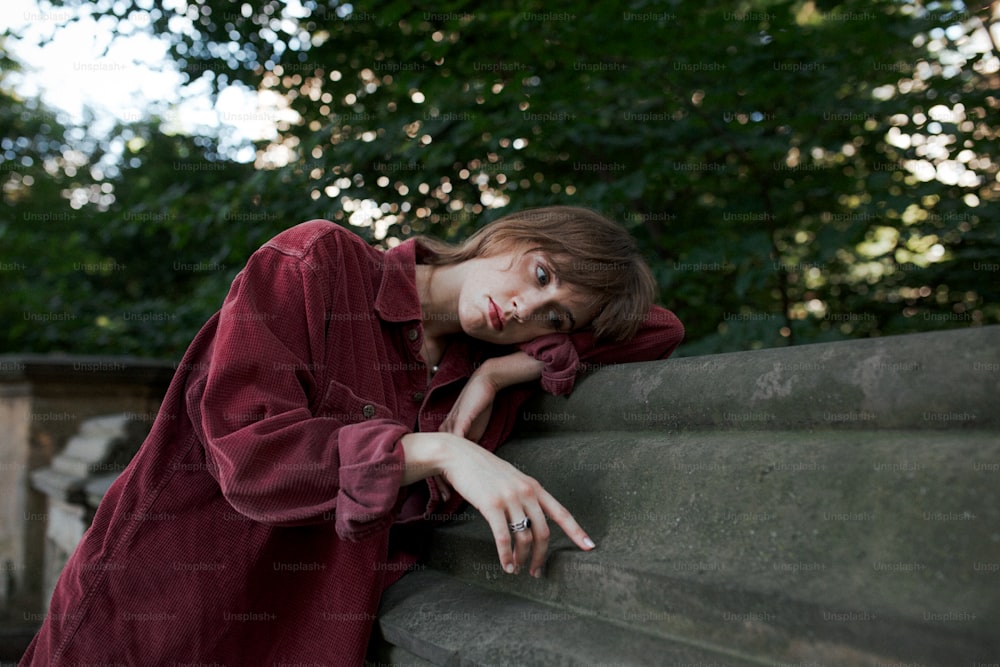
[[938, 380], [791, 540], [77, 479], [67, 368], [434, 616], [761, 556], [103, 444]]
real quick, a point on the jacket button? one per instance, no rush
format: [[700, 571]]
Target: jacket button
[[412, 334], [418, 396], [368, 411]]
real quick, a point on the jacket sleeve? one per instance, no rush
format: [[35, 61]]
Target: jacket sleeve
[[564, 355], [278, 456]]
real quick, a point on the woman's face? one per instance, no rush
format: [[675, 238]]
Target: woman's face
[[516, 296]]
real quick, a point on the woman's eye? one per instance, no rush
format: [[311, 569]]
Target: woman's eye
[[542, 275]]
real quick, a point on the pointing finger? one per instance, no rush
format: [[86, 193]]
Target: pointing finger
[[565, 520]]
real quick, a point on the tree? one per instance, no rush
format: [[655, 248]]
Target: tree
[[797, 171], [42, 242], [124, 243]]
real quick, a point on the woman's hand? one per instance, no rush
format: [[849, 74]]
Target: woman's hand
[[470, 415], [502, 493], [471, 412]]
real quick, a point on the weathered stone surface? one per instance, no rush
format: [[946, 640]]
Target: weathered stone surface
[[929, 381], [797, 543], [450, 622], [832, 504]]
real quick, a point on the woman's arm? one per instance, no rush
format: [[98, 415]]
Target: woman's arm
[[277, 459], [485, 480], [556, 360], [471, 412], [565, 355], [501, 492]]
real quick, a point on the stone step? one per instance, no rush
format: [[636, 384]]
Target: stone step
[[106, 426], [875, 545], [440, 621], [85, 454], [102, 445], [931, 381]]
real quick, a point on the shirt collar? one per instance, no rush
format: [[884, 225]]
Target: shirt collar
[[397, 299]]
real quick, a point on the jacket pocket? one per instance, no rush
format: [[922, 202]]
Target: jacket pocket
[[340, 402]]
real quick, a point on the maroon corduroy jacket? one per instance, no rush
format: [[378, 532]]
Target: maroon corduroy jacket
[[263, 516]]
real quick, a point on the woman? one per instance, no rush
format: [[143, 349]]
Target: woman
[[340, 397]]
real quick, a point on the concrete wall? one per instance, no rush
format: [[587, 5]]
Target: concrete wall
[[43, 401]]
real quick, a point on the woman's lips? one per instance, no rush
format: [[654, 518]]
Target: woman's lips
[[496, 318]]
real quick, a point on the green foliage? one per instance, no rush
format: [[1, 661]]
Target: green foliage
[[770, 156]]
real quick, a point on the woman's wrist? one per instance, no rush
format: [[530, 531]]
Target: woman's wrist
[[426, 455]]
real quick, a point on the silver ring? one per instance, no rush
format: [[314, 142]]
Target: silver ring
[[522, 525]]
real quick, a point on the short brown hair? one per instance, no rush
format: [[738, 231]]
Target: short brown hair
[[586, 250]]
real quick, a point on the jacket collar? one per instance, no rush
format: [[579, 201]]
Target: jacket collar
[[397, 299]]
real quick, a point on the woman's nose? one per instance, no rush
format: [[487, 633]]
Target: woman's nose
[[526, 309]]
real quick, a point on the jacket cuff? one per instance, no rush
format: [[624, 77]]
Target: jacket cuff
[[561, 360], [370, 477]]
